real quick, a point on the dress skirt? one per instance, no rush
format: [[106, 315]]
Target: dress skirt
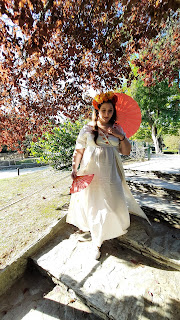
[[101, 207]]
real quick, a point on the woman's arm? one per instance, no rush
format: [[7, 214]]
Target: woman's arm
[[77, 156], [124, 146]]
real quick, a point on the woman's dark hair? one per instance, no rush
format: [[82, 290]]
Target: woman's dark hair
[[95, 119]]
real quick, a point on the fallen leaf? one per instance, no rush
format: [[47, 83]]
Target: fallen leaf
[[25, 290], [71, 301]]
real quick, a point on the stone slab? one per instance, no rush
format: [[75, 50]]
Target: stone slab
[[152, 187], [174, 177], [160, 208], [35, 297], [121, 285], [17, 267], [159, 242], [159, 183]]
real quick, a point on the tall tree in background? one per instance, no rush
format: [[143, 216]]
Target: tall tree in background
[[53, 51], [160, 108], [161, 53]]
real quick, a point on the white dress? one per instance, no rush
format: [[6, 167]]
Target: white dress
[[103, 207]]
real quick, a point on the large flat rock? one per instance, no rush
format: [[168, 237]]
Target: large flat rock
[[35, 297], [174, 177], [159, 242], [158, 183], [158, 187], [122, 284], [164, 210]]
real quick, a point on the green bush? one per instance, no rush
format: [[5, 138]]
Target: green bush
[[56, 148]]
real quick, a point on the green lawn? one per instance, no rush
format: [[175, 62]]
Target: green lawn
[[28, 205]]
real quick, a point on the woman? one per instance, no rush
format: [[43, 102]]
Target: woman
[[103, 207]]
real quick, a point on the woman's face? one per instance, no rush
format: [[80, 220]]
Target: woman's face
[[106, 112]]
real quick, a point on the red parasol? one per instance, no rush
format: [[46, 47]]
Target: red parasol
[[81, 182], [128, 113]]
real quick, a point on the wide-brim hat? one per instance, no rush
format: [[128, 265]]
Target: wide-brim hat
[[128, 113]]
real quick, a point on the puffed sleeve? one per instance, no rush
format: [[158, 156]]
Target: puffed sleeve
[[82, 138]]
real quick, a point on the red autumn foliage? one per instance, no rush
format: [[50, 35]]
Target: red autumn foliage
[[53, 51]]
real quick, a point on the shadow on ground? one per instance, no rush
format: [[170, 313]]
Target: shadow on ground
[[37, 297]]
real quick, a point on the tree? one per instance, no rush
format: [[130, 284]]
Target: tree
[[56, 148], [53, 51], [161, 52], [143, 133], [160, 108]]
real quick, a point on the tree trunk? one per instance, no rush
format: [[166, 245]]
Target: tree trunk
[[157, 140]]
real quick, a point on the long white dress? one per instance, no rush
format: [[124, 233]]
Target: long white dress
[[103, 207]]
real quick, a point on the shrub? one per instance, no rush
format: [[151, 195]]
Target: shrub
[[56, 148]]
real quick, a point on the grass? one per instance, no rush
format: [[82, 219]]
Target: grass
[[12, 189], [44, 193]]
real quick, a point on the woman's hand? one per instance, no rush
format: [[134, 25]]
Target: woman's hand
[[125, 146], [74, 174], [115, 132]]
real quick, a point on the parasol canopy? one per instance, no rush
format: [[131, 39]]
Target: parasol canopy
[[128, 113]]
